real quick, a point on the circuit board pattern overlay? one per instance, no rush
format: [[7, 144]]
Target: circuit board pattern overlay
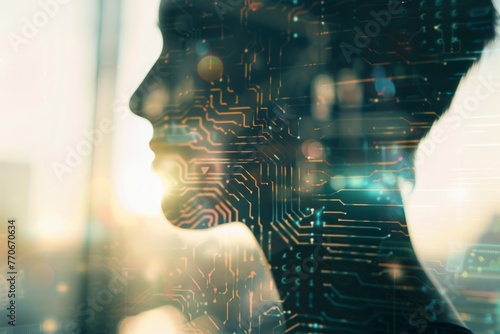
[[299, 119]]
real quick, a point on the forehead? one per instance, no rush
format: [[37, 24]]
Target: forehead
[[312, 22], [235, 15], [237, 25], [335, 13]]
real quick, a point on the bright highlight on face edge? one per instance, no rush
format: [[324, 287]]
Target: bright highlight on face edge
[[138, 188]]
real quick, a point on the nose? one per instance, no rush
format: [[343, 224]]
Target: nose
[[150, 97], [167, 90]]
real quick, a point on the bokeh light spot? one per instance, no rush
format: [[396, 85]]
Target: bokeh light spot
[[62, 287], [338, 182], [210, 68], [312, 149], [49, 326]]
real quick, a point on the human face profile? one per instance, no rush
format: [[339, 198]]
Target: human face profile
[[233, 102], [300, 120]]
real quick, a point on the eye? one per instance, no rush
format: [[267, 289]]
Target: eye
[[182, 26], [175, 39], [177, 22]]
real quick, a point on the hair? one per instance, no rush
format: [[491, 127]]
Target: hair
[[419, 50]]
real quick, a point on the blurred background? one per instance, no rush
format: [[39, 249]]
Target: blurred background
[[75, 168], [74, 162]]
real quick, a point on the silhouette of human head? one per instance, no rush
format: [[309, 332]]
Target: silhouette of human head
[[299, 119]]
